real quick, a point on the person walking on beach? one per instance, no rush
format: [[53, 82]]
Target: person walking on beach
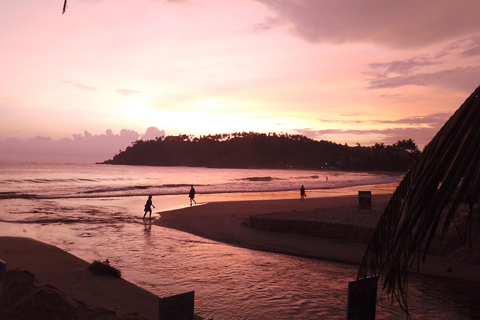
[[302, 193], [191, 195], [148, 207]]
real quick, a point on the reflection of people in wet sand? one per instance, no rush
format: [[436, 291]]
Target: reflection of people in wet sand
[[148, 226], [302, 192], [148, 207], [191, 195]]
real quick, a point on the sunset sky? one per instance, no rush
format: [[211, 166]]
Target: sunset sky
[[344, 71]]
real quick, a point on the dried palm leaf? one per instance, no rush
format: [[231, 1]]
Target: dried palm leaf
[[446, 174]]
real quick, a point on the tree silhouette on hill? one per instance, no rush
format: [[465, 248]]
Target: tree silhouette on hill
[[260, 150]]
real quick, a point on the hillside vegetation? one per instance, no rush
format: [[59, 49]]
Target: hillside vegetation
[[259, 150]]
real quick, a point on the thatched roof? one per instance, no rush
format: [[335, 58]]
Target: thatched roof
[[424, 204]]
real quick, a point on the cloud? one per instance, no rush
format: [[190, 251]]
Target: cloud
[[431, 120], [416, 70], [127, 92], [391, 23], [84, 147], [372, 136], [121, 91], [470, 47], [402, 66], [80, 86], [267, 24], [153, 133], [462, 78], [422, 128]]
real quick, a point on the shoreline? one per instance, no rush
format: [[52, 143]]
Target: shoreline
[[342, 229]]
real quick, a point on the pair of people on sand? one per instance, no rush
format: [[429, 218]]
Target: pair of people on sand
[[149, 203]]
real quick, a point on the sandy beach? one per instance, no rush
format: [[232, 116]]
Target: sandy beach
[[225, 222], [322, 228]]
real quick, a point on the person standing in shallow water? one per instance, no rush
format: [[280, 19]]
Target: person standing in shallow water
[[302, 193], [148, 207], [191, 195]]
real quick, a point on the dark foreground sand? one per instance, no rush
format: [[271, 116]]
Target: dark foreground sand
[[44, 282]]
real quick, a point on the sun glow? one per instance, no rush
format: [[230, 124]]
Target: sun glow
[[214, 105], [137, 109], [204, 123], [214, 115]]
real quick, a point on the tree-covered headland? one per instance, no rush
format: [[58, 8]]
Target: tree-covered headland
[[259, 150]]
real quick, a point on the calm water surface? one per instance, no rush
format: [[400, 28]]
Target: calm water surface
[[94, 212]]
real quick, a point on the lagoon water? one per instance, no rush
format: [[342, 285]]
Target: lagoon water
[[94, 212]]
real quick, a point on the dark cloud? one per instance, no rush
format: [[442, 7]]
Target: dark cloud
[[463, 48], [402, 66], [471, 47], [84, 147], [393, 23], [416, 71], [462, 78]]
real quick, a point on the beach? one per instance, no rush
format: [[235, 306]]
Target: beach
[[226, 222], [94, 212], [328, 228]]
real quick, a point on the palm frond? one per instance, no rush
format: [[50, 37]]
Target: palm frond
[[446, 174]]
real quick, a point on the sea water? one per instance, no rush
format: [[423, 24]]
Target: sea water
[[94, 212]]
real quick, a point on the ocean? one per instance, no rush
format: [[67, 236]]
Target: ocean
[[94, 212]]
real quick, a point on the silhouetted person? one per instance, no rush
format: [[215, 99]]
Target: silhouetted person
[[302, 192], [191, 195], [148, 207]]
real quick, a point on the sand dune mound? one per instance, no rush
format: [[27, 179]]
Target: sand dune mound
[[25, 298]]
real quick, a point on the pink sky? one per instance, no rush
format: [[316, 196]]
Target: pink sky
[[343, 71]]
